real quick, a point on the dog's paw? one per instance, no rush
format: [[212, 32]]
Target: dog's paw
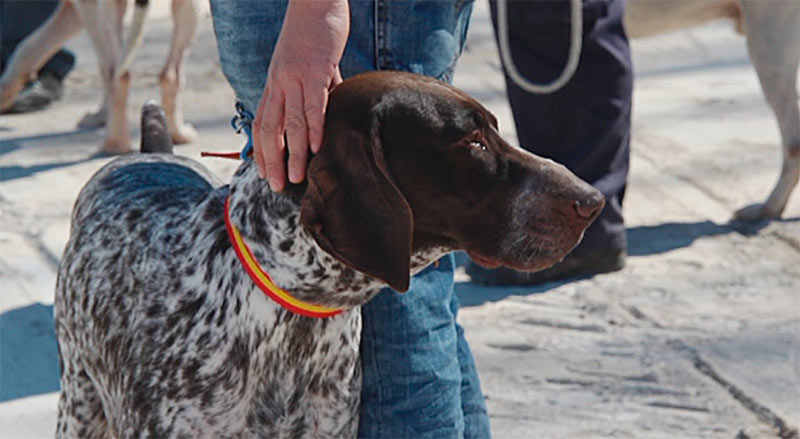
[[93, 120], [756, 212], [185, 133], [8, 94]]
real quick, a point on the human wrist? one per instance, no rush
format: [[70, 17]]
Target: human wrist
[[317, 26], [314, 13]]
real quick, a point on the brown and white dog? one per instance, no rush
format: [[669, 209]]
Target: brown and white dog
[[162, 328], [103, 21], [772, 28]]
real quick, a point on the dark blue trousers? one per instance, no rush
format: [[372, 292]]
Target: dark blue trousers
[[18, 19], [586, 124]]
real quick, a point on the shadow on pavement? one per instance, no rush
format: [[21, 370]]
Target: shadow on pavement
[[661, 238], [642, 241], [470, 294], [92, 137], [683, 68], [13, 172], [63, 138], [28, 352]]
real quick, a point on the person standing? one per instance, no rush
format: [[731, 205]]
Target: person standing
[[585, 125], [282, 58]]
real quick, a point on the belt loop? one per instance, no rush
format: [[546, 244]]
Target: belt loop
[[375, 30]]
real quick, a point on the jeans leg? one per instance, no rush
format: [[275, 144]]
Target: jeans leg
[[476, 417], [18, 19], [409, 351], [586, 124]]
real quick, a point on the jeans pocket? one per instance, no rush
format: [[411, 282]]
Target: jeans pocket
[[421, 36]]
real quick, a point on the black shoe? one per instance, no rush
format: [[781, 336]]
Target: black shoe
[[37, 95], [573, 266]]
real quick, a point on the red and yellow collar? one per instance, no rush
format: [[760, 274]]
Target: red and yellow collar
[[264, 281]]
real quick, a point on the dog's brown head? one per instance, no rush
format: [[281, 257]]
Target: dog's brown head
[[410, 163]]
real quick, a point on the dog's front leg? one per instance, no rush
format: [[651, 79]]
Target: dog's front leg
[[104, 25], [773, 41]]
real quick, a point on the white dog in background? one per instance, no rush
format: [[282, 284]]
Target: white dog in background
[[772, 28], [103, 21]]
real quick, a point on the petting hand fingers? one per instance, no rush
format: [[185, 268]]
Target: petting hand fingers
[[296, 132], [258, 152], [315, 100], [268, 139]]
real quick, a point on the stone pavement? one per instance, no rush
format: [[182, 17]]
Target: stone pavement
[[699, 336]]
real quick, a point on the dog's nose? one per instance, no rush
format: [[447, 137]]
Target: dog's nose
[[589, 204]]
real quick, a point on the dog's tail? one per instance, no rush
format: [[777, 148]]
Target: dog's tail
[[135, 35], [155, 134]]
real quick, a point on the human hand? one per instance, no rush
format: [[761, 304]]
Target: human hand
[[304, 67]]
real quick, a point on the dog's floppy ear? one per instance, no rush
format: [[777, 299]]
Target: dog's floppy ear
[[354, 209]]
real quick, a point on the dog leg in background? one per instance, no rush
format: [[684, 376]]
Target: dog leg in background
[[103, 21], [35, 50], [773, 40], [185, 17], [96, 119]]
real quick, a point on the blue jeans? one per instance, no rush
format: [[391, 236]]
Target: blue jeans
[[419, 376]]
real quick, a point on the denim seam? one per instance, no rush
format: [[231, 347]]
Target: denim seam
[[384, 58], [375, 34]]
